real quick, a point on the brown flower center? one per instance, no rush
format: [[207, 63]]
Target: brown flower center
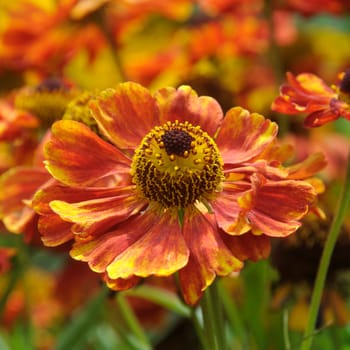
[[176, 165]]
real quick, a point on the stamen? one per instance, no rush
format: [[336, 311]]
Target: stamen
[[176, 165]]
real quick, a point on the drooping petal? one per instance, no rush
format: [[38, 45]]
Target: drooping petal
[[209, 256], [16, 186], [161, 251], [227, 209], [310, 84], [248, 246], [120, 283], [308, 167], [193, 281], [184, 104], [125, 114], [275, 208], [98, 215], [101, 251], [320, 118], [243, 136], [54, 231], [77, 156]]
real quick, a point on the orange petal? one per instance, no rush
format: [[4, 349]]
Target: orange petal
[[98, 215], [209, 256], [320, 118], [160, 251], [243, 136], [77, 156], [101, 251], [277, 206], [120, 283], [193, 281], [311, 84], [54, 231], [308, 167], [227, 209], [16, 185], [249, 246], [125, 114], [184, 104]]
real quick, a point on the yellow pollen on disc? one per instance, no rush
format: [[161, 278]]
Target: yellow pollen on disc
[[176, 165]]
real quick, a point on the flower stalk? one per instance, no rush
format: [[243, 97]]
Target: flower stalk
[[326, 258], [213, 318]]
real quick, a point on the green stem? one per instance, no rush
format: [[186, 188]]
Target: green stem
[[219, 321], [132, 321], [325, 260], [199, 330], [213, 319]]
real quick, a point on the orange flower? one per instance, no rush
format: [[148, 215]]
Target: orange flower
[[307, 93], [17, 135], [178, 187], [48, 45], [15, 123], [17, 187]]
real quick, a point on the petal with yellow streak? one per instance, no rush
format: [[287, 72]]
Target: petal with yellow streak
[[77, 156], [125, 114], [227, 209], [243, 136], [209, 256], [94, 216], [120, 283], [161, 251], [183, 104], [54, 231], [100, 251], [308, 167], [275, 207], [18, 184]]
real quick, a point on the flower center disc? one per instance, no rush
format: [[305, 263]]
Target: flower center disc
[[177, 164]]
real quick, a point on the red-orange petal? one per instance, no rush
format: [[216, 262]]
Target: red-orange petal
[[308, 167], [77, 156], [16, 185], [183, 104], [161, 251], [310, 84], [275, 207], [243, 136], [99, 252], [125, 114], [320, 118], [90, 217], [249, 246], [54, 231], [120, 283], [227, 210], [209, 256]]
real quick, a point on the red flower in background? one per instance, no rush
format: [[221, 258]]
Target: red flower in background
[[49, 44], [307, 93]]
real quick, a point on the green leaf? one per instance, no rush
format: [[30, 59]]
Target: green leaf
[[161, 297], [76, 331]]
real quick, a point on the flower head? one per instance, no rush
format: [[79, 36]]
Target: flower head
[[177, 186], [307, 93]]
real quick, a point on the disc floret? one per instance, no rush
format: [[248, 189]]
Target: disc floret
[[177, 164]]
